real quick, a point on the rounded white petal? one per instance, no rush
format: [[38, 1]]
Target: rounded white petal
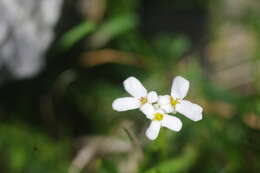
[[153, 130], [126, 103], [156, 106], [190, 110], [172, 122], [134, 87], [162, 100], [180, 87], [148, 110], [159, 111], [152, 97], [167, 108]]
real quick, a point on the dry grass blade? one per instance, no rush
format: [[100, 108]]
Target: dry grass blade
[[104, 56]]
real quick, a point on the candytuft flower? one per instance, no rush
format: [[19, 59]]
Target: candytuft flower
[[140, 96], [159, 119], [155, 108], [175, 102]]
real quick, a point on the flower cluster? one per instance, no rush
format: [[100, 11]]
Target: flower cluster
[[157, 108]]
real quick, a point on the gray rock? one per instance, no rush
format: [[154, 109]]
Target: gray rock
[[26, 31]]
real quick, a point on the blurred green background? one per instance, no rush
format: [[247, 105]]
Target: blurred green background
[[62, 119]]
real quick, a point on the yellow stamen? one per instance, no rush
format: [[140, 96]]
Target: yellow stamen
[[174, 102], [143, 100], [158, 116]]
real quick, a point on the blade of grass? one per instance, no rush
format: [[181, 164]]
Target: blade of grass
[[75, 34]]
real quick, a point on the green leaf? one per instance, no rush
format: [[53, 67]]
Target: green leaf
[[179, 164], [76, 34], [114, 27]]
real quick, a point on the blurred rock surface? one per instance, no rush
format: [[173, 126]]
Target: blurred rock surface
[[234, 45], [26, 32]]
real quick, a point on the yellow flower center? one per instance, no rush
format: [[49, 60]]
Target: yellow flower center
[[158, 116], [174, 102], [143, 100]]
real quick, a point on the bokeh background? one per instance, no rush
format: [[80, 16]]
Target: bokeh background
[[62, 64]]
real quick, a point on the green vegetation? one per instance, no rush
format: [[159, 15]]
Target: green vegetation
[[47, 121]]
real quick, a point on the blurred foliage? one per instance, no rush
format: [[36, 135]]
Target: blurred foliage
[[26, 150], [77, 33], [44, 119]]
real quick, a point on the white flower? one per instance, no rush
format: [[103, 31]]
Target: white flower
[[139, 95], [175, 102], [159, 119]]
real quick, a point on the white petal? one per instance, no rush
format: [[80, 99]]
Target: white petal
[[153, 130], [167, 108], [152, 97], [162, 100], [190, 110], [126, 103], [159, 111], [134, 87], [180, 87], [148, 110], [156, 106], [172, 122]]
